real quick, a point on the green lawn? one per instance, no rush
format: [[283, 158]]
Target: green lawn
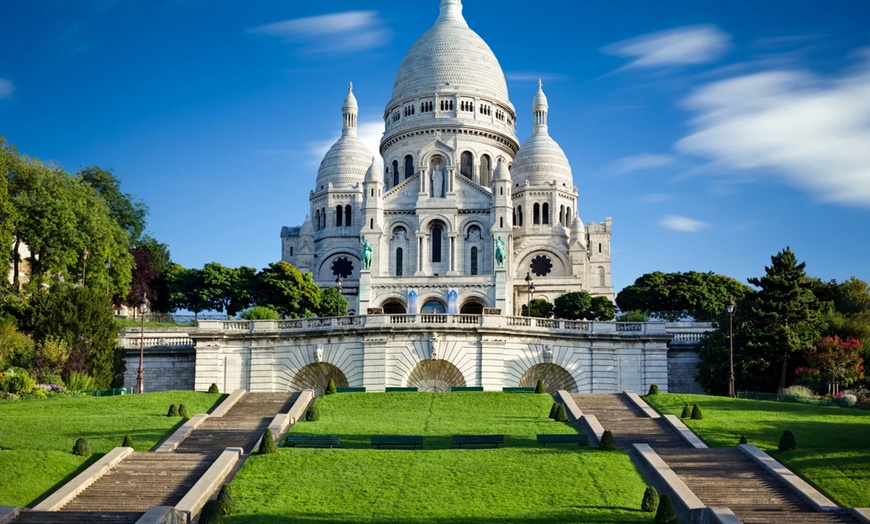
[[520, 482], [39, 434], [833, 442]]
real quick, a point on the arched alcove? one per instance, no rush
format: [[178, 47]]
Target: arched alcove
[[555, 377], [316, 376], [394, 307], [435, 375], [471, 307]]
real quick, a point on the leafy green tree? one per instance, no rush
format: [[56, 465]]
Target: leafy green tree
[[573, 306], [187, 290], [677, 295], [127, 212], [602, 309], [332, 303], [227, 289], [288, 291], [540, 308], [143, 278]]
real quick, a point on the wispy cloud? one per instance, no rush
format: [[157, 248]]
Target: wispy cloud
[[337, 33], [520, 76], [683, 224], [369, 133], [675, 47], [6, 88], [812, 131], [655, 198], [640, 162]]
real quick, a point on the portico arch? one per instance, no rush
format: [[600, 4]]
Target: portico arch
[[316, 376], [436, 376], [554, 376]]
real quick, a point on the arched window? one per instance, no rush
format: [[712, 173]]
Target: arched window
[[317, 220], [466, 165], [474, 261], [436, 243], [395, 173], [601, 276], [347, 215], [515, 218], [409, 167], [520, 215], [545, 211], [485, 170], [562, 215], [536, 214], [400, 254], [338, 213]]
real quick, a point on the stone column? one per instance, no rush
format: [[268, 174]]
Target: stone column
[[375, 362], [365, 290], [491, 371]]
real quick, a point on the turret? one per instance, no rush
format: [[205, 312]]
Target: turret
[[373, 203]]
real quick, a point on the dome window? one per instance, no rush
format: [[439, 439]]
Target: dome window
[[545, 213], [409, 167], [466, 165]]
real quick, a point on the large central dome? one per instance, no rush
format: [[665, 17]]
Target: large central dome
[[450, 56]]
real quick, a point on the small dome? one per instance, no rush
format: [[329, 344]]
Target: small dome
[[450, 55], [501, 170], [373, 174], [346, 162], [307, 230], [350, 100], [541, 161]]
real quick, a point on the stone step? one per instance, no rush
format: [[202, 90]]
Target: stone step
[[67, 517]]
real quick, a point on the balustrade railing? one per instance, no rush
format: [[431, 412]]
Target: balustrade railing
[[151, 342]]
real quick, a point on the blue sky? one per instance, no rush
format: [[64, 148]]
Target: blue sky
[[714, 133]]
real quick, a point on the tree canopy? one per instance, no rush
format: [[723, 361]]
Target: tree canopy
[[581, 305], [672, 296]]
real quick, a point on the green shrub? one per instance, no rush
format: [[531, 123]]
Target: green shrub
[[539, 387], [313, 414], [801, 394], [696, 413], [50, 377], [847, 401], [82, 448], [561, 414], [330, 388], [553, 409], [213, 389], [607, 443], [173, 411], [654, 389], [76, 381], [687, 411], [182, 411], [787, 441], [743, 440], [650, 502], [666, 513], [18, 383], [38, 393], [211, 513], [128, 441], [226, 502], [260, 313], [267, 444]]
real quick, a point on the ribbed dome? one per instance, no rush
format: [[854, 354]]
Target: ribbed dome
[[346, 162], [450, 55], [541, 160]]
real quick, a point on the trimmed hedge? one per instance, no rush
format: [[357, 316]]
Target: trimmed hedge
[[650, 502], [607, 443], [787, 441]]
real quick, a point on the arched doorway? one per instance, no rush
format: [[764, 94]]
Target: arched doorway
[[316, 376], [472, 307], [433, 306], [554, 377], [394, 307], [435, 375]]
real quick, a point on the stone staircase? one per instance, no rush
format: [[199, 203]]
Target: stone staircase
[[718, 477], [142, 480]]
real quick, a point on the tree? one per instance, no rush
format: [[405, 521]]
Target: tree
[[127, 212], [186, 289], [840, 362], [288, 291], [332, 303], [143, 278], [602, 309], [573, 306], [783, 314], [678, 295], [227, 289], [540, 308]]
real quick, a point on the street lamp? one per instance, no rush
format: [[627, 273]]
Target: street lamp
[[85, 255], [531, 286], [108, 266], [140, 377], [730, 307]]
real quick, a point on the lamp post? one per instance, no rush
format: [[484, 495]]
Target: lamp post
[[531, 286], [108, 266], [338, 280], [140, 377], [730, 307], [85, 255]]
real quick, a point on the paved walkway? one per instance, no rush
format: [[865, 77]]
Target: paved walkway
[[718, 477]]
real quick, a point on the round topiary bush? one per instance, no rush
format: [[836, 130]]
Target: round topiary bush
[[330, 388], [553, 409], [539, 387], [82, 448], [226, 502], [847, 401], [666, 513], [743, 440], [687, 411], [561, 414], [211, 513], [313, 414], [650, 502], [267, 444], [654, 389], [787, 441], [128, 441], [213, 389], [182, 411], [607, 443], [173, 411], [696, 413]]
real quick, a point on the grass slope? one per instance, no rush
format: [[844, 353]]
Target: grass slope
[[833, 442], [40, 434], [520, 482]]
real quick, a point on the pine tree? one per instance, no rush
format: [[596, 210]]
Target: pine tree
[[226, 502], [607, 442], [539, 387], [553, 409], [267, 444], [128, 441], [666, 513], [330, 388], [561, 414], [687, 411]]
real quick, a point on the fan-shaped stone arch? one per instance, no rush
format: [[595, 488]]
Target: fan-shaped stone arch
[[555, 377], [435, 375], [316, 376]]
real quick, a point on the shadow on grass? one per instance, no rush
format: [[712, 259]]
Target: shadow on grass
[[583, 515], [441, 442], [85, 465]]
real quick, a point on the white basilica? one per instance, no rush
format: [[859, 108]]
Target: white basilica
[[460, 217]]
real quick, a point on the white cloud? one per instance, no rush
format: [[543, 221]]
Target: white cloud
[[813, 132], [640, 162], [683, 224], [674, 47], [369, 133], [6, 88], [337, 33]]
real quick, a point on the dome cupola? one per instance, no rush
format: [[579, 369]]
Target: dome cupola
[[541, 161], [346, 162]]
